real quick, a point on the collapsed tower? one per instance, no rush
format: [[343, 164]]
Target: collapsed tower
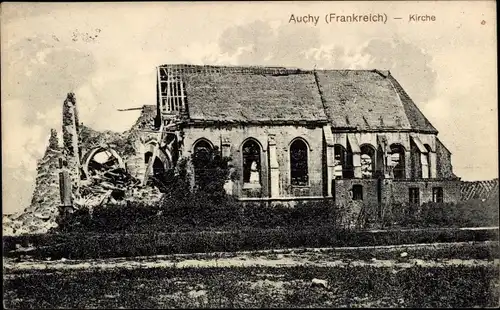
[[108, 167]]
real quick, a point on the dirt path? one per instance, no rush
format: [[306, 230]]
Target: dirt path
[[327, 257]]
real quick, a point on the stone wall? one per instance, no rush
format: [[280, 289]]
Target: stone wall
[[141, 142], [143, 137], [444, 166], [397, 191], [343, 191], [394, 191], [70, 129], [413, 168], [283, 137]]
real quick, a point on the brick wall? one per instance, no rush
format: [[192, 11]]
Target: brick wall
[[394, 191], [397, 191], [343, 191]]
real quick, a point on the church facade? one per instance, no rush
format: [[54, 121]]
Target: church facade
[[347, 135]]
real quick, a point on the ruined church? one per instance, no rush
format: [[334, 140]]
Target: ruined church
[[292, 135]]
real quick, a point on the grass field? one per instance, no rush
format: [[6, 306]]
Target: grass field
[[438, 275]]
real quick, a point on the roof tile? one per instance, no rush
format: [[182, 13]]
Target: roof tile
[[358, 99]]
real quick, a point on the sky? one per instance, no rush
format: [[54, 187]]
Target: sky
[[106, 53]]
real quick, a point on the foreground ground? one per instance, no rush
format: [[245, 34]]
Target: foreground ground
[[437, 275]]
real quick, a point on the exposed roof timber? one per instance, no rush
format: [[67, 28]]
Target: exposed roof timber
[[130, 109], [181, 68]]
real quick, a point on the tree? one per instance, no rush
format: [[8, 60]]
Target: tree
[[211, 172]]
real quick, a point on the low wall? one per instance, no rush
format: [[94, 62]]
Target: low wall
[[399, 190], [390, 191]]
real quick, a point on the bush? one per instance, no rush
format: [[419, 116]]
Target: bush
[[208, 207], [471, 213], [85, 245], [200, 212], [109, 218]]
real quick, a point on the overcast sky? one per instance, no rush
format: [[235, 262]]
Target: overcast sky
[[107, 52]]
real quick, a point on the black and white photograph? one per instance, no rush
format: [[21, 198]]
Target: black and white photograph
[[267, 154]]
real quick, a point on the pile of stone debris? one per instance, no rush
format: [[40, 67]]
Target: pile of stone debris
[[107, 186], [28, 222], [102, 187], [107, 181], [114, 186]]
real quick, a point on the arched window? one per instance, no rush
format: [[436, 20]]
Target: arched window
[[428, 159], [202, 148], [147, 157], [367, 161], [101, 160], [202, 154], [341, 162], [397, 160], [158, 168], [298, 163], [251, 162], [338, 163]]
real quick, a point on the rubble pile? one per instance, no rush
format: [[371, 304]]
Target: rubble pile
[[150, 194], [89, 138], [105, 183], [43, 211], [109, 182], [68, 181]]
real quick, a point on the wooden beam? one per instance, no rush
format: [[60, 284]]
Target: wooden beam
[[130, 109]]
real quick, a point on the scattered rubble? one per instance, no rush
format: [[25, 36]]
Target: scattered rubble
[[319, 283], [114, 187], [109, 182], [99, 177]]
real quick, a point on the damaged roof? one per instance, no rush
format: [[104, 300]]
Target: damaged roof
[[147, 118], [368, 100], [347, 99], [253, 98]]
